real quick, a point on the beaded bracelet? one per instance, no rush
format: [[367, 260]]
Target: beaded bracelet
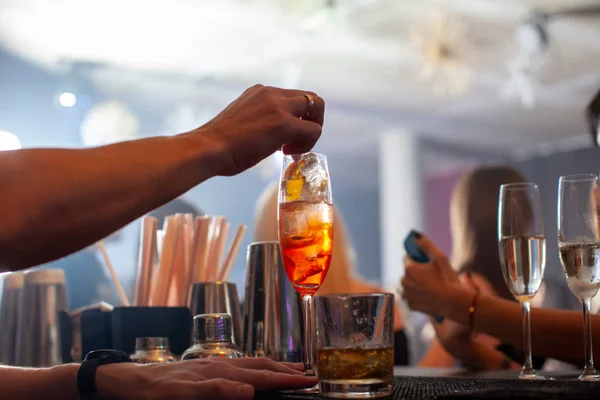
[[473, 302], [472, 310]]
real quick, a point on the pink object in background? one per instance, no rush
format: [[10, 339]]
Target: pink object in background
[[438, 192]]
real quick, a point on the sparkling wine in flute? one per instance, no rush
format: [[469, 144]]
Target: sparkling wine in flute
[[581, 262], [522, 250], [579, 250], [523, 263]]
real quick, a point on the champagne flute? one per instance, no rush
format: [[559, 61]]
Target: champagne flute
[[522, 245], [306, 232], [579, 248]]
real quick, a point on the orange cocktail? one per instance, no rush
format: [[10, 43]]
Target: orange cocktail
[[306, 240], [306, 232]]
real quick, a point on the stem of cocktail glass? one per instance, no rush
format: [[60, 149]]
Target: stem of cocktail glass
[[527, 372], [308, 351], [589, 370]]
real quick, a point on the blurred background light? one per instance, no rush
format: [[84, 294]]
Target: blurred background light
[[9, 141], [107, 123], [67, 99]]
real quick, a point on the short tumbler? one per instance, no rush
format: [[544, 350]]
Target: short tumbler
[[355, 346]]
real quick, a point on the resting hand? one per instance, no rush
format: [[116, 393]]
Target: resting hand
[[198, 379]]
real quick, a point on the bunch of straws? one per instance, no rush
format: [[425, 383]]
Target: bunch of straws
[[185, 251]]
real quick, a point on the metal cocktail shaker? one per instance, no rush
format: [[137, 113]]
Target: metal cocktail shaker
[[152, 350], [272, 307], [212, 338], [218, 297], [9, 316], [38, 338]]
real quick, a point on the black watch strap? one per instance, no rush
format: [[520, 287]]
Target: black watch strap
[[86, 376]]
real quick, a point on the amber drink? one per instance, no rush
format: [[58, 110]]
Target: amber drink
[[353, 364], [355, 352]]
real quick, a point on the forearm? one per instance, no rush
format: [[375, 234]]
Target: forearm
[[555, 333], [58, 383], [57, 201]]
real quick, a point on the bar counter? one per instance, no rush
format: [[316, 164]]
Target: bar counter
[[456, 384]]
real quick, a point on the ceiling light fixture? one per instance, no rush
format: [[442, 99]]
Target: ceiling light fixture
[[532, 35], [442, 47], [532, 41]]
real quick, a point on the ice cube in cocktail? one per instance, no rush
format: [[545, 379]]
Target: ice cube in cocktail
[[306, 238], [315, 179]]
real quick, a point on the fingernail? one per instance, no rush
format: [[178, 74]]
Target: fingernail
[[298, 366], [245, 392], [417, 234]]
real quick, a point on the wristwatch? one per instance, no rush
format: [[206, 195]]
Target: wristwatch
[[86, 376]]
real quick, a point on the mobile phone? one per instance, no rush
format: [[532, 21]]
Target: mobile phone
[[414, 251]]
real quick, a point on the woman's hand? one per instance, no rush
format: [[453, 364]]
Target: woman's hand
[[425, 287], [199, 379]]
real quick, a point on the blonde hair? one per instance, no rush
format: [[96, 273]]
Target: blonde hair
[[474, 223], [341, 270]]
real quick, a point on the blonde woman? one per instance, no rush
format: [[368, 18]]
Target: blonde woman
[[341, 276], [473, 223]]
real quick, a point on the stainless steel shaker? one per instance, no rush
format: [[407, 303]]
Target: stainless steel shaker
[[212, 338], [215, 298], [152, 350], [38, 338], [9, 316], [272, 307]]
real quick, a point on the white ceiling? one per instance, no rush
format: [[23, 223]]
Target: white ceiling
[[359, 57]]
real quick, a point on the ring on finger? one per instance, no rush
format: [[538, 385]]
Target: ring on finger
[[310, 103]]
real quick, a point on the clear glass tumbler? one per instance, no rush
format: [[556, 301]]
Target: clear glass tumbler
[[355, 345]]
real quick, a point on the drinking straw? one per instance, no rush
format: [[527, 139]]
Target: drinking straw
[[199, 250], [213, 244], [219, 249], [178, 278], [233, 252], [162, 277], [188, 241], [146, 260], [113, 274]]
